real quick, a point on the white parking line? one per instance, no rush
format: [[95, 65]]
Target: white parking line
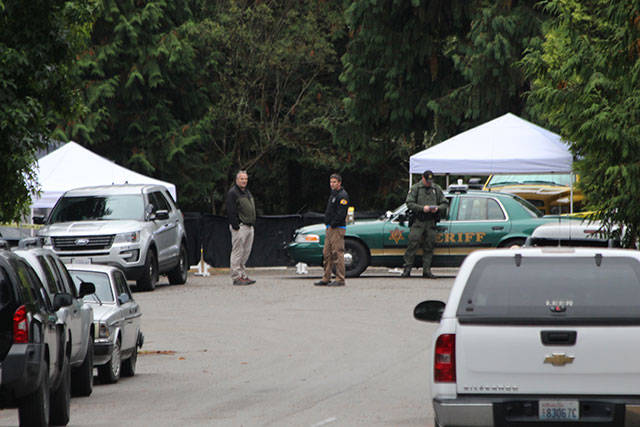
[[323, 422]]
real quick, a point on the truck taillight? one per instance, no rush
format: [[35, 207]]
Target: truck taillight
[[444, 366], [20, 326]]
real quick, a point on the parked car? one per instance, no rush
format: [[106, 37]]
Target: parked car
[[137, 228], [475, 219], [550, 193], [117, 320], [35, 373], [77, 317], [576, 233], [533, 336]]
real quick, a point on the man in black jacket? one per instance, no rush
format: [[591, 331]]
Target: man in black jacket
[[241, 211], [335, 221]]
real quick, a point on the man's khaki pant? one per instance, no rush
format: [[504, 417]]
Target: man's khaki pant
[[333, 254], [241, 242]]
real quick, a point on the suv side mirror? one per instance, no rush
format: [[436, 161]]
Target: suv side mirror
[[429, 311], [38, 219], [160, 214], [123, 298], [402, 218], [86, 288], [62, 299]]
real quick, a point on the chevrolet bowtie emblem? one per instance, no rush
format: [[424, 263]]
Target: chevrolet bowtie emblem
[[559, 359]]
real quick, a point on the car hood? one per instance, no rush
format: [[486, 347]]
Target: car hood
[[89, 227], [103, 312], [351, 228]]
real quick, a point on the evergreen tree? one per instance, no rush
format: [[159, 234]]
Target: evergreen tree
[[38, 43], [585, 83]]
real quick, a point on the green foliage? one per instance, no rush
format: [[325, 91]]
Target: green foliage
[[192, 91], [585, 83], [38, 43]]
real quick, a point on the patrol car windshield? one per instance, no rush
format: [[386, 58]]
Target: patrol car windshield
[[559, 290], [399, 210], [98, 208], [540, 179]]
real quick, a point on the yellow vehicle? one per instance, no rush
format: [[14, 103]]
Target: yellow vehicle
[[551, 193]]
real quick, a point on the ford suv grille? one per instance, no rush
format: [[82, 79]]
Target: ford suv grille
[[88, 243]]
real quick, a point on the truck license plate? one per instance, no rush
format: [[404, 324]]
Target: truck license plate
[[559, 410]]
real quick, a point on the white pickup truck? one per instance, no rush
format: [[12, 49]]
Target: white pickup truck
[[538, 336]]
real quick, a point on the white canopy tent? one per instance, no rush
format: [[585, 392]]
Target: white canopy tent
[[72, 166], [507, 144]]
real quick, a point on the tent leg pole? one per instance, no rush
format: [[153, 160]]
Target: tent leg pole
[[571, 195], [410, 178], [446, 181]]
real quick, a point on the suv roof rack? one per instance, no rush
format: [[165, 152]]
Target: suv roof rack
[[30, 242]]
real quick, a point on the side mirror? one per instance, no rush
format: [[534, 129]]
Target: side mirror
[[429, 311], [402, 218], [62, 299], [86, 288], [160, 214], [123, 298], [38, 220]]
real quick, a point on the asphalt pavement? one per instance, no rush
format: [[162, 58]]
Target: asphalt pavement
[[281, 352]]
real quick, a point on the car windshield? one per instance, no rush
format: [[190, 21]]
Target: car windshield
[[400, 209], [97, 208], [101, 282], [552, 290], [543, 179]]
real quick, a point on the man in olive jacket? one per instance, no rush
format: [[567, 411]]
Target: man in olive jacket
[[427, 203], [241, 211]]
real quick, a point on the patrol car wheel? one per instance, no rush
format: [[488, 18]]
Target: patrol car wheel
[[518, 241], [356, 259]]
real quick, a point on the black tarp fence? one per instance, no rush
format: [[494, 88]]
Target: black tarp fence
[[209, 235]]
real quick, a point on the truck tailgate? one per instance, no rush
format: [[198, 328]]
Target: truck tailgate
[[499, 359]]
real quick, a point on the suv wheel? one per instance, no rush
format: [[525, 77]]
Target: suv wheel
[[61, 399], [34, 409], [178, 276], [82, 376], [150, 276]]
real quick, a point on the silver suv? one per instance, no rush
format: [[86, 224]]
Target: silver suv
[[137, 228]]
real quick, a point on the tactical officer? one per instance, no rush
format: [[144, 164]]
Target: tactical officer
[[335, 220], [426, 202]]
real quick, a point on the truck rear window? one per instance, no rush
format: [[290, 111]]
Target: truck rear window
[[579, 290]]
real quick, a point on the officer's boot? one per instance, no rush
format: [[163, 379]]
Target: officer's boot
[[406, 272]]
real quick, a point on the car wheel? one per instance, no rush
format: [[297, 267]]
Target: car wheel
[[518, 241], [61, 399], [82, 376], [109, 373], [356, 259], [34, 409], [129, 365], [178, 276], [150, 275]]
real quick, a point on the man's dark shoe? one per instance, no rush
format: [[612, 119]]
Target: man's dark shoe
[[428, 275], [321, 283], [249, 281], [241, 282], [406, 272], [336, 283]]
